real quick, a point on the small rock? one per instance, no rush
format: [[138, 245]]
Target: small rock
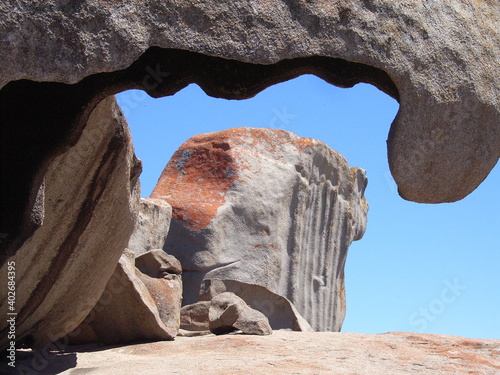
[[194, 317], [157, 263], [281, 313], [229, 313]]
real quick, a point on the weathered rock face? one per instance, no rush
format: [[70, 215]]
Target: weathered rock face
[[265, 207], [135, 306], [152, 226], [439, 61], [90, 200], [228, 313]]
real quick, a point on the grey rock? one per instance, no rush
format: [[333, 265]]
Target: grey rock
[[440, 61], [194, 317], [279, 311], [90, 195], [277, 211], [156, 263], [229, 313], [133, 307], [152, 226]]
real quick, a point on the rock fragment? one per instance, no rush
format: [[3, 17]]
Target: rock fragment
[[280, 312], [229, 313], [151, 227], [194, 317]]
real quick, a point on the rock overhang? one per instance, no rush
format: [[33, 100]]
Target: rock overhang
[[438, 61]]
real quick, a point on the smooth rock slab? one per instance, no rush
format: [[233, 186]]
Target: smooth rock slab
[[285, 353], [265, 207]]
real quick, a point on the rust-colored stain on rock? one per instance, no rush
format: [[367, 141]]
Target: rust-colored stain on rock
[[199, 174]]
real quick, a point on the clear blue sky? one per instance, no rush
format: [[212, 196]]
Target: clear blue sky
[[419, 267]]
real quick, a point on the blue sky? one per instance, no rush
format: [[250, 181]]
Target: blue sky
[[419, 267]]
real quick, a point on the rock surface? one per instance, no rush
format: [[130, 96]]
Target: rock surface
[[439, 61], [194, 317], [134, 306], [279, 310], [89, 200], [156, 263], [265, 207], [152, 226], [228, 313], [283, 353]]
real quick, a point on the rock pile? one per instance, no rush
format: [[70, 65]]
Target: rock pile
[[228, 313], [224, 313], [142, 301]]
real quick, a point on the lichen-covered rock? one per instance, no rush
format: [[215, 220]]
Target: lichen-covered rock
[[439, 60], [265, 207], [228, 313], [135, 306], [152, 226], [89, 207]]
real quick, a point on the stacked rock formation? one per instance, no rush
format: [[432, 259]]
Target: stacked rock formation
[[269, 210], [142, 301], [228, 313], [151, 227], [281, 313]]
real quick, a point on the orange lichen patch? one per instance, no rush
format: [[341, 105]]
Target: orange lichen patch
[[461, 354], [469, 359], [271, 139], [197, 178]]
